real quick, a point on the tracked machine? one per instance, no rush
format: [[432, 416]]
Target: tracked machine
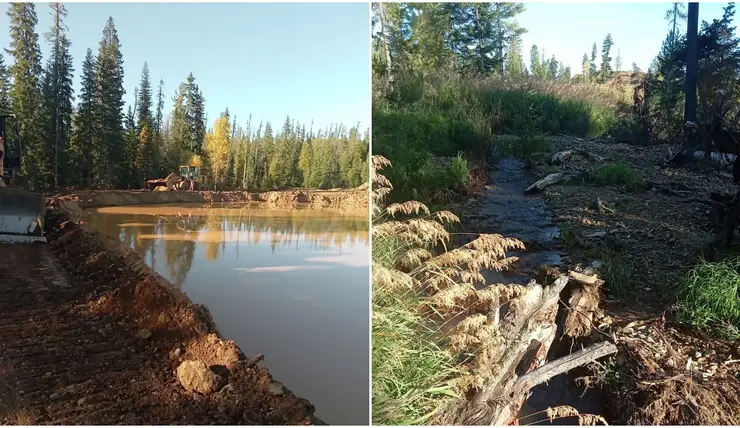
[[21, 211]]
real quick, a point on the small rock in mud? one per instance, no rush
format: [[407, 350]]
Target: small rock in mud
[[196, 376], [82, 401], [276, 388], [175, 353], [143, 334]]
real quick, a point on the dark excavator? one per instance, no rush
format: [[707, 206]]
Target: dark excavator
[[21, 211]]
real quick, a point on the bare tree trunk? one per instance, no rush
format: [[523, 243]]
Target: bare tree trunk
[[386, 46]]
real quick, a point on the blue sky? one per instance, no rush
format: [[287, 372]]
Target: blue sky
[[567, 30], [309, 61]]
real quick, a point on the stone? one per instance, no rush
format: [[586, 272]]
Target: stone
[[143, 334], [196, 376], [175, 353], [276, 388]]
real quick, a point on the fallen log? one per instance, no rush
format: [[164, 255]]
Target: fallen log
[[527, 332], [551, 179]]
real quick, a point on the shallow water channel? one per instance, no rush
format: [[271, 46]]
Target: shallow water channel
[[506, 210], [289, 284]]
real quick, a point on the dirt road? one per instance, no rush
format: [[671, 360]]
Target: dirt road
[[89, 335]]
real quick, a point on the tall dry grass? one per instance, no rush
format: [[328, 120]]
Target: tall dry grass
[[434, 335]]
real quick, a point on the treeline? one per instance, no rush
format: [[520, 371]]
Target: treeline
[[480, 38], [89, 140], [260, 157]]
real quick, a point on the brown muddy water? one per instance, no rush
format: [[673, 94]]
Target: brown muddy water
[[289, 284]]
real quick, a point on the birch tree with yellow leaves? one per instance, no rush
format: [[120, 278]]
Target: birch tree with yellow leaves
[[218, 145]]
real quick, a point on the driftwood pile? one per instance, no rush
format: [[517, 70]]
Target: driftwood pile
[[528, 327]]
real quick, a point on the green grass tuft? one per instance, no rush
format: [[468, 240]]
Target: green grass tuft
[[619, 174], [409, 369], [709, 297]]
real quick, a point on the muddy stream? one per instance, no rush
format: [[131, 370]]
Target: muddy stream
[[506, 210], [289, 284]]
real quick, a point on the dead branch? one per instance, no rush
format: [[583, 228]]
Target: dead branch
[[585, 279], [564, 365], [554, 178]]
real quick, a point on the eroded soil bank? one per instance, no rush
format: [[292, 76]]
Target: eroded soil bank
[[89, 334]]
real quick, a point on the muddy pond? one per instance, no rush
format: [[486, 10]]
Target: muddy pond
[[289, 284]]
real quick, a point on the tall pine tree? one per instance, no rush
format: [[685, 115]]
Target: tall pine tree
[[25, 93], [58, 93], [81, 150], [109, 106]]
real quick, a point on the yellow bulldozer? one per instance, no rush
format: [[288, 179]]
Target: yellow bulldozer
[[191, 177], [21, 212]]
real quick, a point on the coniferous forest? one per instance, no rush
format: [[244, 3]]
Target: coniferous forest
[[91, 139]]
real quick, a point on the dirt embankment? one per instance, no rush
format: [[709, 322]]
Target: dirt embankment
[[645, 241], [347, 200], [105, 341]]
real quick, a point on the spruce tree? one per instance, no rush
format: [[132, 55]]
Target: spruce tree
[[82, 154], [585, 68], [552, 69], [158, 138], [25, 93], [606, 60], [592, 65], [618, 61], [514, 64], [143, 165], [534, 61], [5, 106], [58, 94], [195, 113], [109, 106], [178, 147]]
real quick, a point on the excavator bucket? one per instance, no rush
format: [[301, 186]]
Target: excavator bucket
[[21, 216]]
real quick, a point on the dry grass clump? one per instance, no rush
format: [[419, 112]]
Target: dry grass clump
[[410, 257]]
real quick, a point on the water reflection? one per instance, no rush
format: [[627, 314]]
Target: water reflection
[[179, 230], [292, 285]]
